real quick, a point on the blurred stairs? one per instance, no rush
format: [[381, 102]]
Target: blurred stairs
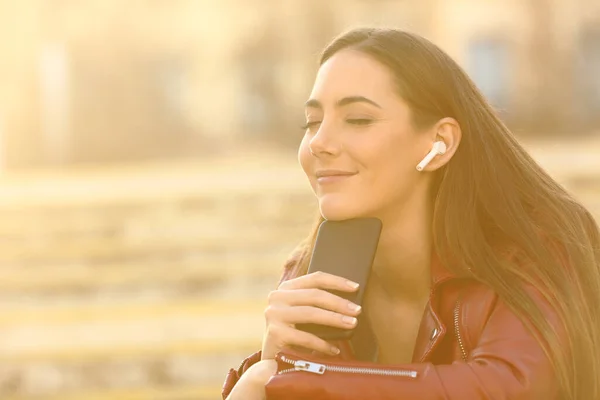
[[149, 281], [143, 282]]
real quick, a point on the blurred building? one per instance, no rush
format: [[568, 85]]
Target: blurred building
[[107, 80]]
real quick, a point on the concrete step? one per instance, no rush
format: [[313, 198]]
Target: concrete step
[[218, 178], [143, 378], [201, 269], [110, 250], [120, 348], [190, 392], [61, 334], [258, 209]]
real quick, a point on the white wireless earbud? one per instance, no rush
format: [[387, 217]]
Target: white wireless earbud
[[438, 148]]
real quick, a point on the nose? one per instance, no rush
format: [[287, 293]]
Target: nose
[[325, 142]]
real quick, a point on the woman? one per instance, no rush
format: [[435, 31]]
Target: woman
[[486, 281]]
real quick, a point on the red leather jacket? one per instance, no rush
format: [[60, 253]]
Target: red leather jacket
[[470, 346]]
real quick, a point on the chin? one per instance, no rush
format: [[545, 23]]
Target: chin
[[338, 209]]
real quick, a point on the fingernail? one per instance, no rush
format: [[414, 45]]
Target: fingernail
[[354, 307], [349, 320], [353, 285], [335, 350]]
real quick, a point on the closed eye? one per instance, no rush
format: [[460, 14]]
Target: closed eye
[[310, 124], [359, 121]]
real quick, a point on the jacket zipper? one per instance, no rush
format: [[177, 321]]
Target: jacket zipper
[[318, 368], [463, 352]]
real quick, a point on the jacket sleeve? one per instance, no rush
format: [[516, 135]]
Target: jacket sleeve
[[234, 375], [506, 362]]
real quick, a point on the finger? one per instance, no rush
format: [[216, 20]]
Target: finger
[[309, 315], [314, 297], [289, 336], [322, 280]]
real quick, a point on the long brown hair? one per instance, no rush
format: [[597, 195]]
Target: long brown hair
[[492, 195]]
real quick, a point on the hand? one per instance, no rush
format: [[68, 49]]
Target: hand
[[304, 300], [251, 385]]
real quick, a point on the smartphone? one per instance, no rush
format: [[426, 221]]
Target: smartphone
[[347, 249]]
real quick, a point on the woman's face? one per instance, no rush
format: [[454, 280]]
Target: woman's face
[[360, 150]]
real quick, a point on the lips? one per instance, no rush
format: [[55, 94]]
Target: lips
[[333, 173], [333, 176]]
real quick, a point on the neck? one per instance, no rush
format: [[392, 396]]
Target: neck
[[402, 265]]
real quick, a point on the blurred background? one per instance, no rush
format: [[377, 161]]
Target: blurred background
[[149, 191]]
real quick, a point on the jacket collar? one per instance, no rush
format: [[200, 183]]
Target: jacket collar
[[439, 273]]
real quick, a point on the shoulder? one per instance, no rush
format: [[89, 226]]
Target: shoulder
[[481, 312], [467, 303], [477, 302]]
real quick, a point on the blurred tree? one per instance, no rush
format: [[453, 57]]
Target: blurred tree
[[267, 66], [488, 65], [259, 106], [317, 24], [588, 78], [551, 101]]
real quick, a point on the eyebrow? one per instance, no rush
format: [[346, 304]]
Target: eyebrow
[[314, 103]]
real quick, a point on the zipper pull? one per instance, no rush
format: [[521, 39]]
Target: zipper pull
[[315, 368]]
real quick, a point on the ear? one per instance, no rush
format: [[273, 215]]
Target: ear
[[446, 130]]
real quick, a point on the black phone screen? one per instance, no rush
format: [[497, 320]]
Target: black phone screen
[[347, 249]]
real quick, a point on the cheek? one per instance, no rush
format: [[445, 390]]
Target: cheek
[[304, 156], [392, 167]]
